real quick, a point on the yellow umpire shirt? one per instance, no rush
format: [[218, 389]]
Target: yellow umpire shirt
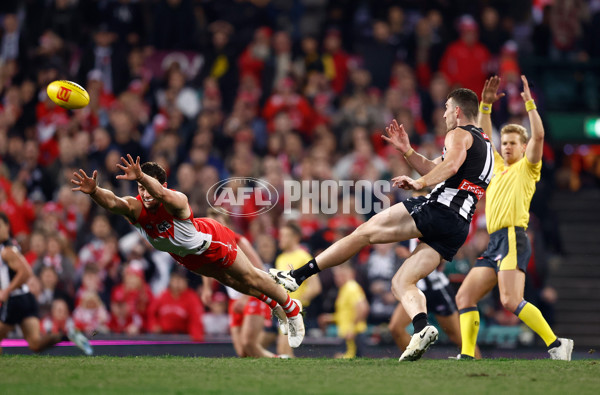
[[297, 259], [509, 194], [349, 295]]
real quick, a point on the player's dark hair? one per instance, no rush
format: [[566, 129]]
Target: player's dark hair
[[467, 100], [295, 228], [155, 170]]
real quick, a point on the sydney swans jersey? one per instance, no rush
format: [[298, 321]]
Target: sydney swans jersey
[[179, 237], [462, 191], [7, 274]]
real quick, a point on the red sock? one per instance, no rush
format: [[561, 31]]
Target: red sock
[[272, 304], [290, 307]]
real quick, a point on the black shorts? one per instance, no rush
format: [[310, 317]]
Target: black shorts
[[443, 229], [509, 249], [441, 301], [17, 308]]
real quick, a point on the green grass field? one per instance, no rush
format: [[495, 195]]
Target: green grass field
[[180, 375]]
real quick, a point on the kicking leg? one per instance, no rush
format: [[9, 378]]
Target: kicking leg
[[476, 285], [390, 225]]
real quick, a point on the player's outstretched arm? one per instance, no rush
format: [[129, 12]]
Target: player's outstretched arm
[[16, 261], [397, 136], [489, 96], [175, 202], [128, 207], [535, 147]]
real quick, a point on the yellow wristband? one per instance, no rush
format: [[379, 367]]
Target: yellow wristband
[[530, 105], [485, 108], [408, 153]]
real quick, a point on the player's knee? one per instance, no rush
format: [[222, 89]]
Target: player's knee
[[364, 233], [249, 347], [464, 300], [397, 286], [509, 302]]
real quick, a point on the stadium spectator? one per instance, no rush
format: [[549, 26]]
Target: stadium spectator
[[465, 61], [122, 319], [91, 316], [382, 264], [37, 247], [59, 319], [106, 54], [215, 319], [55, 256], [293, 255], [177, 310], [351, 311], [50, 291], [137, 293]]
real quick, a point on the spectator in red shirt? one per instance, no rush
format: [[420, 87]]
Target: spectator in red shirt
[[465, 61], [59, 320], [335, 61], [285, 99], [138, 295], [121, 319], [19, 209], [37, 247], [252, 60], [177, 310]]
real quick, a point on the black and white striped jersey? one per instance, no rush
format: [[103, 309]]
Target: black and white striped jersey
[[7, 274], [462, 191]]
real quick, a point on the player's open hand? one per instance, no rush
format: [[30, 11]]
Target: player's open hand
[[397, 136], [490, 90], [84, 183], [407, 183], [132, 170], [526, 94]]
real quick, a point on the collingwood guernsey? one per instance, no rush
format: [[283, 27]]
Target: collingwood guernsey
[[462, 191]]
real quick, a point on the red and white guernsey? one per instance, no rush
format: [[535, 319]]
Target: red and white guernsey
[[191, 241]]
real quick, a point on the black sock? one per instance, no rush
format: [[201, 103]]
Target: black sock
[[304, 272], [555, 343], [420, 322]]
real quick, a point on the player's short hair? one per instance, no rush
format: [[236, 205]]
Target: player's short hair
[[518, 129], [467, 100], [294, 227], [4, 218], [155, 170]]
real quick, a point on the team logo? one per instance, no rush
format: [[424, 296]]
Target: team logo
[[63, 94], [163, 226], [242, 196]]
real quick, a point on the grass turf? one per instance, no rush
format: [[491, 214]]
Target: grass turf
[[178, 375]]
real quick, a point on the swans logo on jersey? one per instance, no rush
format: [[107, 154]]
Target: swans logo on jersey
[[242, 196], [163, 226]]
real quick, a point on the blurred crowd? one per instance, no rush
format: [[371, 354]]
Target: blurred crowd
[[277, 90]]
